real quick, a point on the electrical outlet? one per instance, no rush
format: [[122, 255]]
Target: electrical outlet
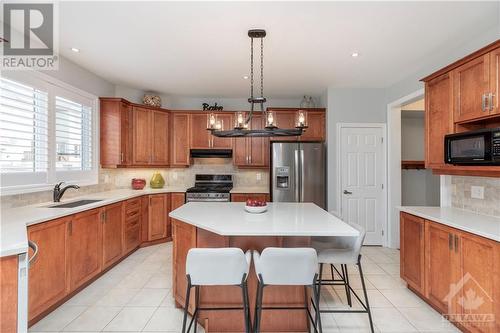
[[477, 192], [258, 176]]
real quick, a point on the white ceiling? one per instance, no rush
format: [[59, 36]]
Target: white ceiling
[[201, 49]]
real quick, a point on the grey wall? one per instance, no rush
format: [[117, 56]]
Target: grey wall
[[81, 78], [194, 103], [349, 106], [418, 187]]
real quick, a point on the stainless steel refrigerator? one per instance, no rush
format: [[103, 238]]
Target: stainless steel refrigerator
[[298, 172]]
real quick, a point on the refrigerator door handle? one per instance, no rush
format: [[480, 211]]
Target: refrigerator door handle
[[301, 175], [296, 175]]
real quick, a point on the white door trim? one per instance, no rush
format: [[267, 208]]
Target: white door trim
[[338, 192]]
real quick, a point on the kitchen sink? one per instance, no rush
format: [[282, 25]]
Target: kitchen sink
[[74, 204]]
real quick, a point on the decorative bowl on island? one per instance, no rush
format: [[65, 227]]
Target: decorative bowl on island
[[255, 206]]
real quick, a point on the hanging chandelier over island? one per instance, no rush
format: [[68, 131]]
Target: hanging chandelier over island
[[242, 120]]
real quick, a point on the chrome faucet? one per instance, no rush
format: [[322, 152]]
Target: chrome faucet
[[58, 192]]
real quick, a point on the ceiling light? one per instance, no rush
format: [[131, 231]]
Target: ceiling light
[[355, 54], [74, 49], [245, 77]]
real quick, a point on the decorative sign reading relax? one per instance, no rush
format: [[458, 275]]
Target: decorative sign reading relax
[[215, 107]]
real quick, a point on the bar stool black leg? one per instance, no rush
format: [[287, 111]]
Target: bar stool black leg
[[258, 306], [197, 306], [246, 313], [186, 305], [317, 297], [331, 269], [365, 294], [347, 289]]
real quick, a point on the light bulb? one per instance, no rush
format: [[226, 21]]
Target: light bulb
[[270, 119], [240, 119]]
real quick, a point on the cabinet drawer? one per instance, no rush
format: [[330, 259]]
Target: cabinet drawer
[[132, 205], [132, 222], [132, 214]]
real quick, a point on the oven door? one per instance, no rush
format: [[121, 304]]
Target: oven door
[[468, 148]]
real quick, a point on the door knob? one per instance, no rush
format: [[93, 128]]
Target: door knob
[[347, 192]]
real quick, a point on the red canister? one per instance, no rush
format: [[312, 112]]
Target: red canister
[[138, 183]]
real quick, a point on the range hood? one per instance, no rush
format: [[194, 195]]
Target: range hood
[[212, 153]]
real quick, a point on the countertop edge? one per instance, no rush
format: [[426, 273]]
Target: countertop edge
[[414, 210]]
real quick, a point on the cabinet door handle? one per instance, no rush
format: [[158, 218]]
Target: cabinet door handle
[[491, 101], [34, 247], [483, 102], [450, 241], [456, 243], [121, 157]]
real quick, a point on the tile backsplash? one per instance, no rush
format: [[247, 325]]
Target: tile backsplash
[[461, 194], [110, 179]]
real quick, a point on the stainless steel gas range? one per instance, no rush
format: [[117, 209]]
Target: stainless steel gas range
[[213, 188]]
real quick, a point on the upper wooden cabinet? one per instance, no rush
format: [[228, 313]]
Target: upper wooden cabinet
[[203, 139], [462, 97], [471, 88], [115, 138], [252, 152], [438, 123], [150, 137], [316, 121], [179, 139]]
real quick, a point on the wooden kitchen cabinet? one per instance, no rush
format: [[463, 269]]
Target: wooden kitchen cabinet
[[441, 265], [159, 206], [477, 260], [471, 84], [142, 136], [8, 294], [199, 136], [85, 247], [48, 274], [438, 120], [115, 133], [227, 121], [316, 127], [132, 224], [243, 197], [284, 119], [160, 138], [495, 81], [179, 140], [185, 239], [412, 251], [459, 267], [112, 234], [252, 152]]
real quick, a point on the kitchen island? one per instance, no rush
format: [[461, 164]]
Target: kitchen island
[[211, 224]]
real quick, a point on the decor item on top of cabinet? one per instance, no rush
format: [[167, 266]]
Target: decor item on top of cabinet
[[152, 100], [157, 180], [138, 183], [215, 107], [270, 129], [307, 102]]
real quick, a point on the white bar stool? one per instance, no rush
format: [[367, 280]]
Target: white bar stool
[[286, 266], [342, 251], [216, 267]]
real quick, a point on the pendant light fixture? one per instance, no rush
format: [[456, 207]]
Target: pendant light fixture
[[242, 120]]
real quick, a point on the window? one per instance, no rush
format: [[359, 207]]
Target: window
[[47, 134]]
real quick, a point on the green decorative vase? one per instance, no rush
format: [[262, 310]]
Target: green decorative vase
[[157, 180]]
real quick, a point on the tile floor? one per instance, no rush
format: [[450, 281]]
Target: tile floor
[[135, 296]]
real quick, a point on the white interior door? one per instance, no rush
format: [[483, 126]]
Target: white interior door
[[362, 180]]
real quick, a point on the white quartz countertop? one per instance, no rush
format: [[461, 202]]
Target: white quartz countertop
[[481, 225], [13, 223], [281, 219]]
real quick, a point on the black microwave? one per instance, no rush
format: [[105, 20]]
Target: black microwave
[[481, 147]]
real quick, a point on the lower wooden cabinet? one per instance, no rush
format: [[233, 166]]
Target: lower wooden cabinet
[[159, 205], [84, 247], [112, 229], [242, 197], [8, 294], [461, 272], [132, 225], [185, 239], [412, 251], [48, 277]]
